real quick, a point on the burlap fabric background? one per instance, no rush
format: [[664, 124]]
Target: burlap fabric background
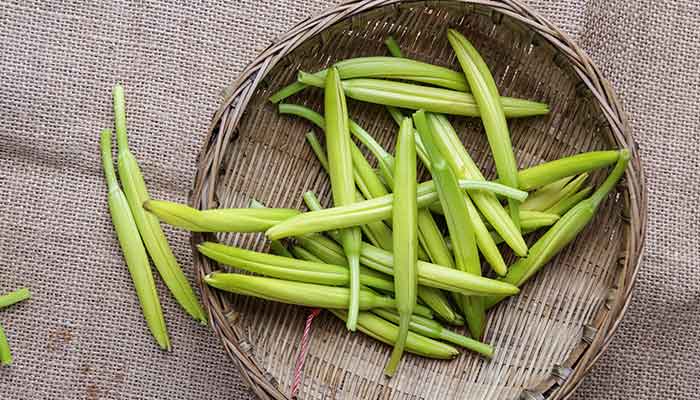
[[83, 337]]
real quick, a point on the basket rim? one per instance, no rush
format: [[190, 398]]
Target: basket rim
[[237, 95]]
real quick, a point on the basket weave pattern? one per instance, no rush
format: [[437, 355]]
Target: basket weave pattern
[[546, 338]]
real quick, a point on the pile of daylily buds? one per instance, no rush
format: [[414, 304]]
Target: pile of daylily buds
[[392, 256]]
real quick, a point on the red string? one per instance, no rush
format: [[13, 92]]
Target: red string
[[304, 348]]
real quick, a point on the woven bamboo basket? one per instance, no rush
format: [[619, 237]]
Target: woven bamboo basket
[[549, 336]]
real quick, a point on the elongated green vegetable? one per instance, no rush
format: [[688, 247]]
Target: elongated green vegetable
[[397, 116], [377, 232], [451, 147], [287, 91], [529, 219], [132, 247], [386, 332], [359, 171], [385, 67], [395, 50], [377, 189], [292, 269], [276, 247], [572, 187], [405, 238], [434, 330], [566, 204], [458, 223], [363, 173], [434, 275], [529, 226], [419, 309], [374, 185], [147, 224], [342, 184], [437, 301], [17, 296], [533, 220], [361, 213], [300, 293], [484, 240], [563, 232], [302, 254], [385, 160], [538, 199], [6, 301], [5, 351], [324, 248], [429, 234], [429, 274], [552, 171], [459, 320], [279, 249], [550, 194], [400, 68], [416, 97], [218, 219], [365, 177], [318, 150], [373, 188], [492, 114], [330, 252], [431, 239], [439, 253]]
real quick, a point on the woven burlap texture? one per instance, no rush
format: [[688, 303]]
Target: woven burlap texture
[[83, 336]]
